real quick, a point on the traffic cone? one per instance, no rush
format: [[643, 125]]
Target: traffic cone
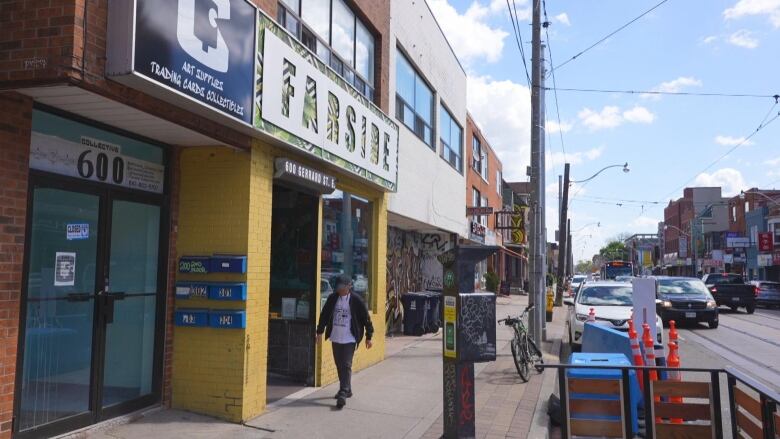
[[636, 352], [592, 315], [674, 375], [650, 359], [673, 335]]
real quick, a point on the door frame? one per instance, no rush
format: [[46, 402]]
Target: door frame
[[106, 193]]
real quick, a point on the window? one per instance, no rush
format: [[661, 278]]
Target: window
[[484, 170], [451, 137], [498, 181], [336, 35], [475, 200], [483, 218], [413, 100], [733, 214], [476, 154], [775, 227], [346, 241]]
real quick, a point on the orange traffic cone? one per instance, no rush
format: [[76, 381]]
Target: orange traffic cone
[[673, 336], [636, 352], [592, 315], [674, 375], [650, 358]]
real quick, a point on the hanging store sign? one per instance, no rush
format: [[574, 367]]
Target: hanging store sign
[[474, 211], [301, 101], [477, 229], [201, 50], [765, 242], [737, 242], [93, 161], [294, 172]]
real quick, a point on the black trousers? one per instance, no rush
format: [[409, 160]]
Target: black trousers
[[342, 356]]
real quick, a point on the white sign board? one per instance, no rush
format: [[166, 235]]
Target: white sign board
[[95, 161], [334, 119], [764, 260], [643, 299]]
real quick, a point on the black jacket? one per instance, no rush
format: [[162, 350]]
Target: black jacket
[[360, 321]]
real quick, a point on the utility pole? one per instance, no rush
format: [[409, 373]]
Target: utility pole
[[538, 242], [570, 264], [563, 237]]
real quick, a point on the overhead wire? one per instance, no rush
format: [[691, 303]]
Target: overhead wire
[[776, 97], [606, 37], [555, 86], [518, 38]]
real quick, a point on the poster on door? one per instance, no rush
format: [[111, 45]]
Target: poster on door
[[94, 160], [64, 269]]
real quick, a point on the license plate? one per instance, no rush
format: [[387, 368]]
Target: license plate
[[735, 299], [690, 315]]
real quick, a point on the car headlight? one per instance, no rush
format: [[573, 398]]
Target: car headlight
[[666, 304], [582, 317], [711, 304]]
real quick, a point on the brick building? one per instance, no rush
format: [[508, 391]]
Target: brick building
[[140, 145]]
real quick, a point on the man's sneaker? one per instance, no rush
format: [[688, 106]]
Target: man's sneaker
[[344, 394], [341, 402]]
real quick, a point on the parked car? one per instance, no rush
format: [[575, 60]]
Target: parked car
[[768, 294], [731, 290], [612, 303], [575, 283], [685, 299]]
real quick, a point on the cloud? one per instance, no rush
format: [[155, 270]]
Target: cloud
[[729, 179], [563, 18], [773, 162], [574, 158], [710, 39], [611, 117], [743, 8], [732, 141], [553, 127], [508, 130], [743, 38], [471, 36], [673, 86], [646, 223]]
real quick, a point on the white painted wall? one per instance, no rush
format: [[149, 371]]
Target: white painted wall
[[429, 189]]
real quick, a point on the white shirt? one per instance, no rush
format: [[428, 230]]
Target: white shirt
[[342, 322]]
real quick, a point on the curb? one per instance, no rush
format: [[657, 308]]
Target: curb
[[540, 424]]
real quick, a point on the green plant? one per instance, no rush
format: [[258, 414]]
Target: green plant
[[491, 281]]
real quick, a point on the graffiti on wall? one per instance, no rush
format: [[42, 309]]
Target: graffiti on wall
[[411, 266]]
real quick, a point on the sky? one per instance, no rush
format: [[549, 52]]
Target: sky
[[669, 142]]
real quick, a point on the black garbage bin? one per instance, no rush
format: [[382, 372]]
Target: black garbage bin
[[414, 313], [433, 322]]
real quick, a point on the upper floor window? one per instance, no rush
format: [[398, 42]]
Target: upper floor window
[[413, 100], [451, 138], [498, 181], [476, 154], [332, 31]]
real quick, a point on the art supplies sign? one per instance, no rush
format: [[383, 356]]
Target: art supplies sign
[[94, 160]]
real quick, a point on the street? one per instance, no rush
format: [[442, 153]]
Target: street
[[748, 342]]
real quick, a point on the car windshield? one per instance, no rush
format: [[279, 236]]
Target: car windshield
[[769, 286], [606, 295], [578, 279], [721, 279], [682, 286], [624, 278]]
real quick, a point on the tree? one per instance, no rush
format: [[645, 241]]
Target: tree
[[614, 250], [585, 266]]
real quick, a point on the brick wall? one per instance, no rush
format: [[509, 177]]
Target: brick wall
[[15, 123], [474, 179]]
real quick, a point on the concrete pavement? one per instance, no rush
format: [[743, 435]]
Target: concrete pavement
[[400, 397]]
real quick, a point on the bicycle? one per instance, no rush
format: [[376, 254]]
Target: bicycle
[[524, 350]]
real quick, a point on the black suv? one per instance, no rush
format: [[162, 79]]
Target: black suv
[[685, 299]]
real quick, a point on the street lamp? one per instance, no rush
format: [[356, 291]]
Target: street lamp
[[669, 226], [624, 166]]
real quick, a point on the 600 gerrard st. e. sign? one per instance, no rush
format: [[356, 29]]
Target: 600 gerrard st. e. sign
[[243, 69]]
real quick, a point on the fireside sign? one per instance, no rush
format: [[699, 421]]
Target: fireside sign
[[299, 100]]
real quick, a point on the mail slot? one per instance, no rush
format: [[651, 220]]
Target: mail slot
[[191, 290], [227, 319], [227, 291], [228, 264], [476, 334], [192, 317], [194, 264]]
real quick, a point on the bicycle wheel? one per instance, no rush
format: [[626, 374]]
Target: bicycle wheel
[[521, 360], [536, 354]]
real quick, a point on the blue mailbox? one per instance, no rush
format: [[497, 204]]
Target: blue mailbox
[[194, 264], [192, 290], [192, 317], [227, 291], [227, 319], [228, 264]]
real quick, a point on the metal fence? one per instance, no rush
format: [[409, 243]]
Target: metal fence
[[673, 408]]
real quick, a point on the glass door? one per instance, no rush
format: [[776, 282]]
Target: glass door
[[131, 302], [60, 307]]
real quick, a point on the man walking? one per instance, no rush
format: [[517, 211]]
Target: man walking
[[344, 319]]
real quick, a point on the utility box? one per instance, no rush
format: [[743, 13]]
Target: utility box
[[476, 334]]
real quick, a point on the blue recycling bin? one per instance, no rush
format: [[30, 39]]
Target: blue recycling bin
[[415, 312], [590, 358]]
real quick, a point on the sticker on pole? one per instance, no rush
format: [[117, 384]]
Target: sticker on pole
[[449, 327]]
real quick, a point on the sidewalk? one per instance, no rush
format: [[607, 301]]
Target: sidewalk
[[400, 397]]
